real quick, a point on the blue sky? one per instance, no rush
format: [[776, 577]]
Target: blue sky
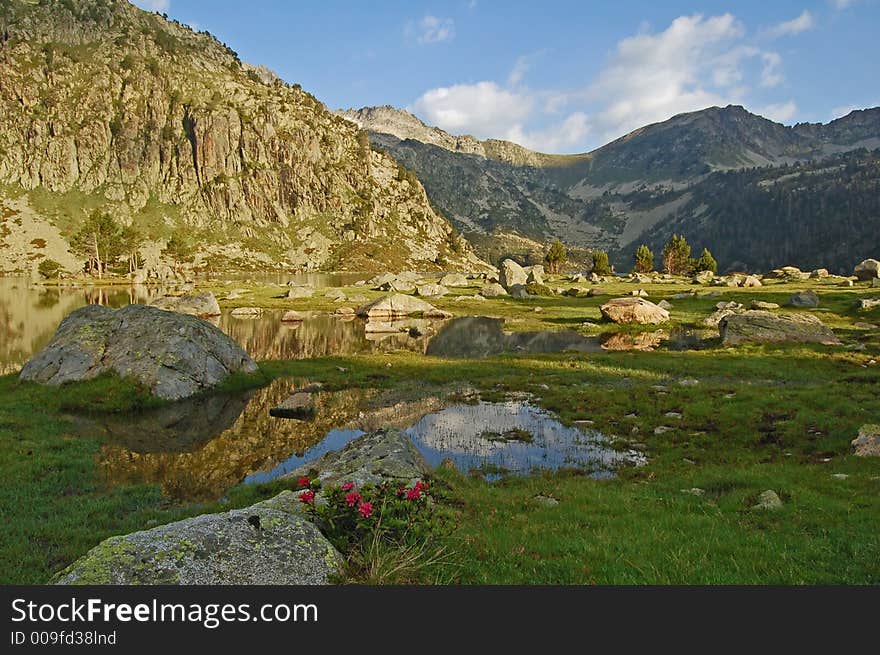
[[559, 75]]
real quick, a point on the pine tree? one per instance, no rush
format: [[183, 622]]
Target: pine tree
[[677, 256], [601, 265], [706, 262], [644, 260], [99, 240], [555, 257]]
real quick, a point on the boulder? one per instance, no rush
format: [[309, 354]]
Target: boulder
[[867, 270], [768, 500], [386, 455], [335, 294], [819, 273], [519, 291], [400, 305], [196, 304], [639, 293], [790, 273], [867, 303], [512, 274], [867, 444], [173, 355], [703, 277], [751, 281], [432, 290], [454, 280], [298, 405], [493, 290], [301, 292], [633, 310], [269, 543], [399, 285], [765, 327], [722, 309], [344, 311], [806, 298], [665, 304], [535, 276]]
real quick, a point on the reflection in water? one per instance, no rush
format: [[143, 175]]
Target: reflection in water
[[479, 336], [469, 436], [206, 462]]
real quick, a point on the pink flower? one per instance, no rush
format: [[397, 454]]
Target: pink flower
[[353, 498], [303, 482], [366, 509], [307, 497], [413, 494], [421, 486], [348, 486]]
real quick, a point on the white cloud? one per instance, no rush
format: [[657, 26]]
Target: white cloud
[[483, 109], [154, 5], [431, 29], [770, 75], [694, 63], [797, 25], [781, 112]]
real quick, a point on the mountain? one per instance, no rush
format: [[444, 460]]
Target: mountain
[[103, 105], [632, 189]]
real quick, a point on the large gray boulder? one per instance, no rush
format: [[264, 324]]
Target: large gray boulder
[[454, 280], [267, 543], [432, 290], [807, 298], [400, 304], [766, 327], [386, 455], [493, 290], [196, 304], [867, 270], [173, 355], [633, 310], [512, 274]]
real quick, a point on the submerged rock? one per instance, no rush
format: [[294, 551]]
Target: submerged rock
[[764, 327], [267, 543], [633, 310], [386, 455], [197, 304], [173, 355]]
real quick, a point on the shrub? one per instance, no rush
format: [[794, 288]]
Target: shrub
[[535, 289], [644, 260], [601, 265], [49, 268]]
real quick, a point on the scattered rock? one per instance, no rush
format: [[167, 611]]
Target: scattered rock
[[633, 310], [386, 455], [806, 298], [270, 543], [432, 290], [760, 304], [665, 304], [301, 292], [535, 277], [663, 429], [344, 311], [454, 280], [694, 491], [493, 290], [197, 304], [688, 382], [546, 501], [819, 273], [867, 444], [519, 292], [400, 305], [174, 355], [333, 294], [703, 277], [867, 303], [751, 282], [768, 500], [867, 270], [765, 327], [640, 293]]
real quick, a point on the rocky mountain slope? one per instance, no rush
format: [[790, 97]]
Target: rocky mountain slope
[[105, 105], [630, 190]]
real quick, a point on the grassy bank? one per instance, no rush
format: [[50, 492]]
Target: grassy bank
[[757, 418]]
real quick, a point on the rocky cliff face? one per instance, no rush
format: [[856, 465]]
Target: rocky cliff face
[[102, 104]]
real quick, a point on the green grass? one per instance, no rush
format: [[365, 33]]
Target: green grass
[[760, 417]]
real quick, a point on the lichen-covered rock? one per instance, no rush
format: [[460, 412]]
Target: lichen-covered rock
[[174, 355], [432, 290], [270, 543], [761, 304], [300, 292], [386, 455], [493, 290], [196, 304], [400, 305], [454, 280], [633, 310], [755, 326], [867, 444]]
